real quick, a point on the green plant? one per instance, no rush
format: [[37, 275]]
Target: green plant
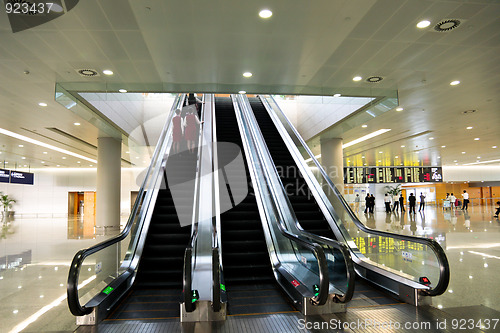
[[6, 201], [393, 190]]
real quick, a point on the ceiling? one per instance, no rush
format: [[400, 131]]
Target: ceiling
[[306, 47]]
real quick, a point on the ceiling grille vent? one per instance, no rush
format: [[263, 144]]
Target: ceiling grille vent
[[87, 72], [447, 25]]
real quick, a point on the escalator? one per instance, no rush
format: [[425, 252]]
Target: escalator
[[327, 214], [249, 280], [157, 290]]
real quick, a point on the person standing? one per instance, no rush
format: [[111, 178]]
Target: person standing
[[192, 122], [465, 196], [422, 202], [372, 203], [177, 130], [402, 203], [395, 200], [367, 202], [453, 201], [387, 202], [357, 201], [412, 200]]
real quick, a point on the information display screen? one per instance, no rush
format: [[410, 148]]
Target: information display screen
[[18, 177], [363, 175], [4, 176]]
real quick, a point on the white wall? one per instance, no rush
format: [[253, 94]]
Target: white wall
[[471, 173], [49, 196]]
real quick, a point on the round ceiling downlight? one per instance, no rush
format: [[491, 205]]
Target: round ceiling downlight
[[374, 79], [447, 25], [88, 72]]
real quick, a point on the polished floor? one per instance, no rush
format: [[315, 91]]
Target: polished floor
[[35, 255]]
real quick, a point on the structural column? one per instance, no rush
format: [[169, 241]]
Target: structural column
[[108, 186], [332, 160]]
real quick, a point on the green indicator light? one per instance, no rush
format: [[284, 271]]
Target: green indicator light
[[108, 290], [195, 296], [316, 290], [222, 287]]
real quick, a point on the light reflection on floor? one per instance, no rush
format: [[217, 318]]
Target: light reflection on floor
[[471, 241], [47, 246], [35, 255]]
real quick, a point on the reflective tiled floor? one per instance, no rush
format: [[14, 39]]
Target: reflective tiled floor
[[37, 252]]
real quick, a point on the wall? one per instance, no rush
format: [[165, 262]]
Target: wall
[[49, 196], [471, 173]]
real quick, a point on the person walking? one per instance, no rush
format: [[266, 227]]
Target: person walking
[[387, 202], [465, 196], [395, 204], [412, 200], [422, 202], [357, 202], [402, 203]]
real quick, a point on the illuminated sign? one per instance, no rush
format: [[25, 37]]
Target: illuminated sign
[[368, 175], [26, 178], [4, 176]]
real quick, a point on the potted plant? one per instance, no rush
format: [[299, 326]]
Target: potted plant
[[393, 191], [7, 202]]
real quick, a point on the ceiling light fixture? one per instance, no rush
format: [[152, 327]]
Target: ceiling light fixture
[[247, 74], [21, 146], [483, 162], [463, 152], [493, 147], [454, 83], [364, 126], [469, 127], [42, 104], [265, 13], [476, 139], [122, 90], [77, 124], [399, 109], [42, 144], [403, 146], [443, 146], [431, 138], [337, 95], [357, 78], [107, 72], [242, 92], [423, 24], [366, 137], [23, 158]]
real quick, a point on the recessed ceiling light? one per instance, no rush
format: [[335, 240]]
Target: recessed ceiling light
[[91, 165], [42, 104], [58, 165], [455, 161], [45, 152], [364, 126], [366, 137], [476, 139], [364, 164], [380, 152], [77, 161], [443, 146], [423, 24], [242, 92], [6, 162], [23, 158], [454, 83], [337, 95], [21, 146], [493, 147], [43, 162], [439, 156], [357, 78], [122, 90], [379, 161], [463, 152], [64, 157], [431, 138], [399, 109], [396, 156], [362, 157], [469, 127], [265, 13], [77, 124], [247, 74], [403, 146], [107, 72]]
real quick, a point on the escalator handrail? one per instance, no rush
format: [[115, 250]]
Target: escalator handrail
[[74, 271], [271, 167], [188, 255], [315, 248], [444, 268]]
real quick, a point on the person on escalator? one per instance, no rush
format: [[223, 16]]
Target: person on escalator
[[190, 131], [498, 209], [193, 100], [177, 130]]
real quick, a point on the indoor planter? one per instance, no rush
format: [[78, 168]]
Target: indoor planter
[[7, 202]]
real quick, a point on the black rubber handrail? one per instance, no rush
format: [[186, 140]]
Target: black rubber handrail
[[74, 271], [316, 249], [444, 267]]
